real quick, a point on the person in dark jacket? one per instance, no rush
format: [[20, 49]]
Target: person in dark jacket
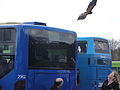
[[112, 83], [91, 5], [57, 84]]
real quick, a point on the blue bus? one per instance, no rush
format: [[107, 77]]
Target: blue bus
[[94, 62], [33, 55]]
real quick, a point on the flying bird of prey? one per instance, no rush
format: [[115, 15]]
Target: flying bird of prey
[[89, 9]]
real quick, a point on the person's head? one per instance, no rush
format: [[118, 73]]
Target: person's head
[[58, 82], [114, 76]]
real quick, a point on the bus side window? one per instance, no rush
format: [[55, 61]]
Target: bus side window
[[82, 46]]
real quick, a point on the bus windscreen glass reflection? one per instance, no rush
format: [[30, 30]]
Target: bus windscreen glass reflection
[[7, 50], [101, 46], [51, 49]]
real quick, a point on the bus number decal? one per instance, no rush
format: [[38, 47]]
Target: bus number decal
[[21, 77]]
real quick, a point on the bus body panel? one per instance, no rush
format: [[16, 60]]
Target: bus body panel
[[8, 81], [91, 75], [43, 80]]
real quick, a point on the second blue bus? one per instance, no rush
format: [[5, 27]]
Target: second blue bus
[[94, 62]]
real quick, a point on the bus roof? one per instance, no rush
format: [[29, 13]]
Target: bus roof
[[33, 24], [87, 38], [115, 63]]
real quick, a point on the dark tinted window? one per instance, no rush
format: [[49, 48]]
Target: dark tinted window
[[7, 35], [7, 50], [82, 46], [101, 46], [51, 50], [1, 35]]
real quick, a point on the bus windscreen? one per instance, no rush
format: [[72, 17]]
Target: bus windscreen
[[51, 49], [101, 46], [7, 50]]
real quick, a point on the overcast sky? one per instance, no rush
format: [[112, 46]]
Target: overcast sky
[[104, 22]]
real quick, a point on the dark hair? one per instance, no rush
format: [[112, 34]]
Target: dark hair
[[57, 83]]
